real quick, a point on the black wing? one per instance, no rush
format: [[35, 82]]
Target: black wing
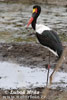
[[49, 38]]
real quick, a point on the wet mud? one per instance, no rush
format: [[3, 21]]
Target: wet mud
[[29, 54]]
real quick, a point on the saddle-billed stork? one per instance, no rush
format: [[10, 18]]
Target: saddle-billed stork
[[46, 36]]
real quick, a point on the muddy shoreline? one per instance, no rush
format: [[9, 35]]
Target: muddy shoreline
[[53, 95], [29, 54], [32, 54]]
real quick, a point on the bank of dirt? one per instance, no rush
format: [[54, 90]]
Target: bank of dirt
[[31, 54]]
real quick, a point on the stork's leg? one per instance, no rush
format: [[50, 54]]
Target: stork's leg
[[48, 69]]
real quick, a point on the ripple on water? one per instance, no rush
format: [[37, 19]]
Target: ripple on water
[[14, 18]]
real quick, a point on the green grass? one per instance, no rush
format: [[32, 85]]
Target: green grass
[[20, 39], [63, 37]]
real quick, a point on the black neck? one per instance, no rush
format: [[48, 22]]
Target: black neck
[[34, 24]]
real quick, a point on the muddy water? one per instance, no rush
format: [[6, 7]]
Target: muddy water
[[25, 77], [14, 18]]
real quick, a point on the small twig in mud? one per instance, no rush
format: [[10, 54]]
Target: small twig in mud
[[58, 65], [61, 60]]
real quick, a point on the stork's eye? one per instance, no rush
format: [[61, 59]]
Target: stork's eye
[[35, 10]]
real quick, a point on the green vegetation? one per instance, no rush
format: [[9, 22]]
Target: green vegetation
[[63, 37], [20, 39]]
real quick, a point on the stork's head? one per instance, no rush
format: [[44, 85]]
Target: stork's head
[[35, 13]]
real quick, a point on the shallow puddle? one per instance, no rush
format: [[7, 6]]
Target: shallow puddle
[[15, 76]]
